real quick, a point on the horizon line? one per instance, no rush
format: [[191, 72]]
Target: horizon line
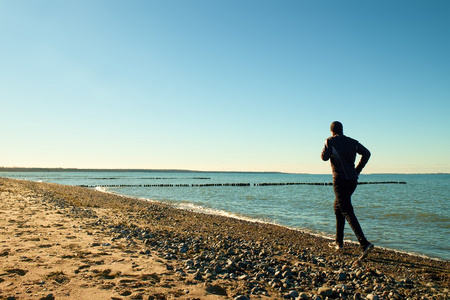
[[61, 169]]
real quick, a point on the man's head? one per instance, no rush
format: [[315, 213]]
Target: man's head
[[337, 128]]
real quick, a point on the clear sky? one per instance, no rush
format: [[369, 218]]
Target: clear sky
[[225, 85]]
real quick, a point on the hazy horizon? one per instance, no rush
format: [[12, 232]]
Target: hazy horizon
[[51, 169]]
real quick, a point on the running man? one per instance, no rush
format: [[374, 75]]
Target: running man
[[342, 150]]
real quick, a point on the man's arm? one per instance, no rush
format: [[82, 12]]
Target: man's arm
[[365, 155], [326, 152]]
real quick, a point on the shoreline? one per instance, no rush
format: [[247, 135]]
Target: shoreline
[[204, 210], [322, 235], [68, 242]]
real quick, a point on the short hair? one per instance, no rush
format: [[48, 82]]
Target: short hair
[[336, 127]]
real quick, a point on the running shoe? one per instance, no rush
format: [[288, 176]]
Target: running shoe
[[336, 246], [366, 251]]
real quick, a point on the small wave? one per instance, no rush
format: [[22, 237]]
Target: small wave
[[101, 189], [218, 212]]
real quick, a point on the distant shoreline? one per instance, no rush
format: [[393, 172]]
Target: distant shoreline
[[20, 169], [37, 169]]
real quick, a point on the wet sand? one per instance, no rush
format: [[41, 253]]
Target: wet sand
[[63, 242]]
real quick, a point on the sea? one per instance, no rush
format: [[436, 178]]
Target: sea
[[404, 212]]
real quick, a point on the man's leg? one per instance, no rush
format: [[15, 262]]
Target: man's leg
[[340, 224], [344, 190]]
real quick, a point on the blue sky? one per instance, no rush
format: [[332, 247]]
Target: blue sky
[[223, 85]]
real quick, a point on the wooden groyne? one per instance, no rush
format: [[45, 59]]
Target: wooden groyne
[[230, 184], [383, 182], [326, 183]]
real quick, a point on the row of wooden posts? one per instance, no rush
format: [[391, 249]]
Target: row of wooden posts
[[233, 184]]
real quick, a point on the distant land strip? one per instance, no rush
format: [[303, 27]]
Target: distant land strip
[[231, 184], [20, 169]]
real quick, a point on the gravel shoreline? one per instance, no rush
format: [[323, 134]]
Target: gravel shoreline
[[126, 248]]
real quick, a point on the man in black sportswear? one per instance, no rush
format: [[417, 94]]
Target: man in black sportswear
[[342, 150]]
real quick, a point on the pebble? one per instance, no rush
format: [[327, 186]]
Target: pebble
[[198, 276], [303, 296], [342, 276], [372, 297], [241, 297], [145, 252], [325, 291], [293, 294]]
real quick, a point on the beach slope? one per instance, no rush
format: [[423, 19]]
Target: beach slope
[[64, 242]]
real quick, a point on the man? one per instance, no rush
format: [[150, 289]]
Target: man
[[342, 150]]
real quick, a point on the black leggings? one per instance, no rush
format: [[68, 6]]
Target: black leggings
[[343, 189]]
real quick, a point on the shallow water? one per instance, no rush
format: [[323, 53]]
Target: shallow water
[[412, 217]]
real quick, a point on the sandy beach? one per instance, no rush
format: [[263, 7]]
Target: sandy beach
[[64, 242]]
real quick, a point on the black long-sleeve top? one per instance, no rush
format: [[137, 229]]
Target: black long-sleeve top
[[342, 150]]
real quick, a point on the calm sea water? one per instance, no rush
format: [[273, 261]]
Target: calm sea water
[[412, 217]]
